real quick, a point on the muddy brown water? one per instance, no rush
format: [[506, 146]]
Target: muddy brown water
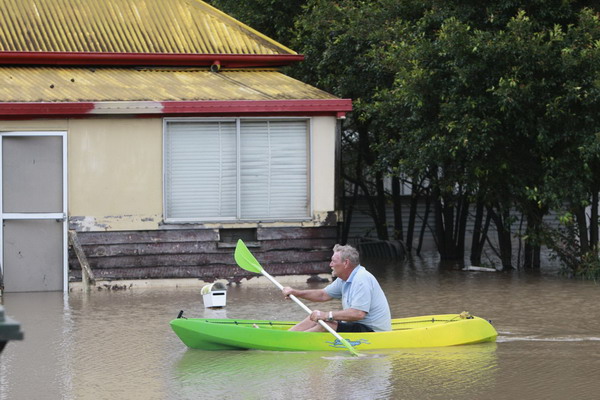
[[118, 345]]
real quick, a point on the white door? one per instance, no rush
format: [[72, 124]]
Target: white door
[[33, 209]]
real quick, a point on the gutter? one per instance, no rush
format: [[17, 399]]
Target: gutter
[[336, 107], [146, 59]]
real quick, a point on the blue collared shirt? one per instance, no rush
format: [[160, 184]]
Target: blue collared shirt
[[362, 292]]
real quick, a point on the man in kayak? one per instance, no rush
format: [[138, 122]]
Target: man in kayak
[[365, 307]]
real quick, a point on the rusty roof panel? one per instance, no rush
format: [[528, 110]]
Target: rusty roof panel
[[41, 84], [127, 26]]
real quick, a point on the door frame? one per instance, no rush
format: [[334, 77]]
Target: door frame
[[59, 216]]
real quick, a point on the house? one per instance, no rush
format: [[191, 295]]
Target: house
[[159, 132]]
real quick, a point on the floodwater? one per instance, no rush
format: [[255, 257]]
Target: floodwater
[[118, 344]]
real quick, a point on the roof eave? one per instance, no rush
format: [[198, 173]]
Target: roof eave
[[146, 59], [331, 107]]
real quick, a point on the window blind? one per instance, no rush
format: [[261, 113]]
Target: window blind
[[201, 170], [202, 167], [274, 177]]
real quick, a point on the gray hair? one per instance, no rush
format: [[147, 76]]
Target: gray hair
[[347, 252]]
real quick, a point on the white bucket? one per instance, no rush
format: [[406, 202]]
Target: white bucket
[[214, 295]]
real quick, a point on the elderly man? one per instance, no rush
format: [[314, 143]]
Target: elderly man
[[365, 307]]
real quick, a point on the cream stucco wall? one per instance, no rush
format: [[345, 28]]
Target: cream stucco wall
[[323, 164], [115, 177], [35, 125], [115, 173]]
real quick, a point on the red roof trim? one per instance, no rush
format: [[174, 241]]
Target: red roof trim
[[261, 106], [44, 109], [337, 107], [146, 59]]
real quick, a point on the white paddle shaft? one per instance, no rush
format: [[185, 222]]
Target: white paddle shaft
[[301, 304]]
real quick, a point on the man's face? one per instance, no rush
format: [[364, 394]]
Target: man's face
[[336, 264]]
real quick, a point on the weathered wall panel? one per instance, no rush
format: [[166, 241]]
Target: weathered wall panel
[[294, 233], [159, 236], [199, 253], [205, 273]]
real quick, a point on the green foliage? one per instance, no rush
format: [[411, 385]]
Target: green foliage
[[274, 18], [501, 111], [564, 242], [589, 267]]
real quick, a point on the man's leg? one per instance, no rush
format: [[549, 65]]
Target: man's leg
[[303, 325], [319, 328], [310, 326]]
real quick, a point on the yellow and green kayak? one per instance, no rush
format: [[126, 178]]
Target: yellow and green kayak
[[423, 331]]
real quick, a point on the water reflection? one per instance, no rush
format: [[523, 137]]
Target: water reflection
[[443, 372], [281, 375], [46, 323], [447, 372]]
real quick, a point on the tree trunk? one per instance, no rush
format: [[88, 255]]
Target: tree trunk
[[448, 231], [447, 213], [504, 237], [533, 248], [414, 204], [348, 219], [582, 228], [476, 248], [439, 223], [424, 224], [460, 232], [382, 228], [594, 220], [397, 203], [531, 256]]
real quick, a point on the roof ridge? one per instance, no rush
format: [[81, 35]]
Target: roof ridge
[[241, 24]]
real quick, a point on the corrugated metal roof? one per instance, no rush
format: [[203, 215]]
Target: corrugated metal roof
[[33, 84], [127, 26]]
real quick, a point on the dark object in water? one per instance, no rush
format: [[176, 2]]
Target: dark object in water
[[384, 249], [9, 329]]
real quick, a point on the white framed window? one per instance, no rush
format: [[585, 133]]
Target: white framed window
[[239, 169]]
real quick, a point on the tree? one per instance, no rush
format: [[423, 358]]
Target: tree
[[274, 18], [469, 105]]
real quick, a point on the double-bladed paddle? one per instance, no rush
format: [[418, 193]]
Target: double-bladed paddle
[[246, 260]]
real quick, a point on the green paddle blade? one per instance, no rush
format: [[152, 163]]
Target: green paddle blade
[[245, 259]]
